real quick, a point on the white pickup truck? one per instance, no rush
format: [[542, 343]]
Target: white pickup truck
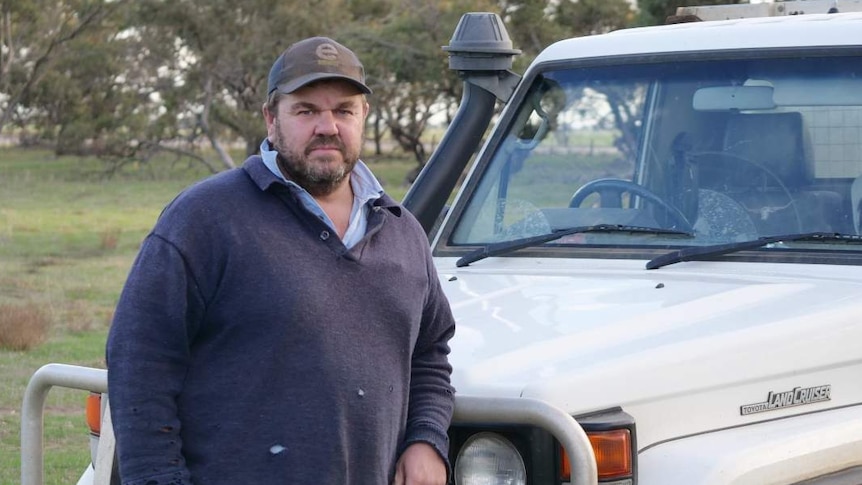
[[655, 259]]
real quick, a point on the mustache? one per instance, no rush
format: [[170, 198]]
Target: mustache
[[325, 141]]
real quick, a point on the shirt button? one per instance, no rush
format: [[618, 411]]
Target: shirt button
[[376, 208], [324, 235]]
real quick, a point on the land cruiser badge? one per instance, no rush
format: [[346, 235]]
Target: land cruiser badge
[[796, 397]]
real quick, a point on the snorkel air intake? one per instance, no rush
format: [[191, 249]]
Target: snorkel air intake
[[481, 51]]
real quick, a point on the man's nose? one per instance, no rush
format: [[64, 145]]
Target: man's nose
[[326, 124]]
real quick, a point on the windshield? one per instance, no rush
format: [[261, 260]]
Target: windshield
[[727, 150]]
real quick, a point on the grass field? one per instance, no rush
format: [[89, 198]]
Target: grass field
[[68, 236]]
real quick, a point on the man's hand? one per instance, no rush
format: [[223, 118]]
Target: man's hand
[[420, 465]]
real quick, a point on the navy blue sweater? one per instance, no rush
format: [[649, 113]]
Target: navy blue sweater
[[250, 346]]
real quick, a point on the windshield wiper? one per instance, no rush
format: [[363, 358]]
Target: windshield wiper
[[700, 253], [504, 247]]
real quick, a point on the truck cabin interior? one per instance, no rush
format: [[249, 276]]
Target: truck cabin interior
[[761, 180], [764, 169]]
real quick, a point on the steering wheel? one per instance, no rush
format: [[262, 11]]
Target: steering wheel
[[728, 158], [611, 192]]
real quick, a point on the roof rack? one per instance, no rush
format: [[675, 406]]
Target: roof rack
[[777, 9]]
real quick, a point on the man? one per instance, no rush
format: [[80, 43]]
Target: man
[[283, 322]]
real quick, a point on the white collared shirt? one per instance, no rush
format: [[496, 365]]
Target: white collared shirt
[[365, 189]]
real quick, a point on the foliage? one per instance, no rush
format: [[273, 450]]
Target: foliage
[[559, 20], [590, 17], [36, 36]]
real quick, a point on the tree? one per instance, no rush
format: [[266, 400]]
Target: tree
[[591, 17], [37, 34], [522, 17], [536, 24], [83, 103]]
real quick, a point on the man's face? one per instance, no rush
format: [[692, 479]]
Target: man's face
[[318, 132]]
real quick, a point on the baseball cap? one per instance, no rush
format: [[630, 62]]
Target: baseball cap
[[314, 59]]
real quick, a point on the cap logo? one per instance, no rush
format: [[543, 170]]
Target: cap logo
[[326, 52]]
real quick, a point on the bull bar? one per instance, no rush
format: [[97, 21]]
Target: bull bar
[[468, 409]]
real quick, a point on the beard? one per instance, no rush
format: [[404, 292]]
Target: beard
[[319, 175]]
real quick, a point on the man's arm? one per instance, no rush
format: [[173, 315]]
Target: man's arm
[[432, 399], [147, 355]]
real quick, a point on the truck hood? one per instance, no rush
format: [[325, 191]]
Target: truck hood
[[695, 341]]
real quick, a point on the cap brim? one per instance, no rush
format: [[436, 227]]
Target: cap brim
[[301, 81]]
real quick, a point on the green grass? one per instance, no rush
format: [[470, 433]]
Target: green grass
[[68, 236]]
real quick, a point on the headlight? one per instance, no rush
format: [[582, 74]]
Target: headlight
[[489, 459]]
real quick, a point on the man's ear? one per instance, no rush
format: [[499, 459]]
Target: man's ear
[[267, 116]]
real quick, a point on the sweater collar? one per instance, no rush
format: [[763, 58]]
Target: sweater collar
[[265, 179]]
